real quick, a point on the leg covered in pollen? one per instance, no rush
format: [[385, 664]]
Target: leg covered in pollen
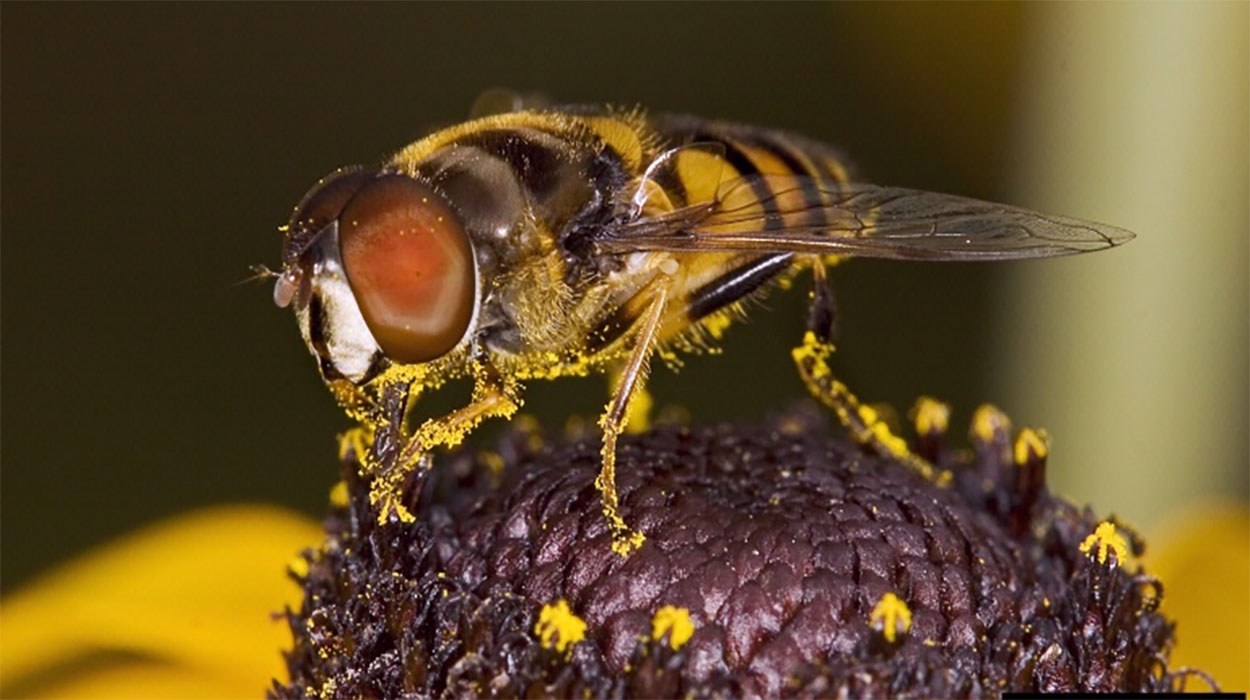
[[863, 422], [356, 442], [493, 397], [638, 415], [629, 386]]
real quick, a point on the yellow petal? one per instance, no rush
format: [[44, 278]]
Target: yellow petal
[[183, 608], [137, 679], [1203, 560]]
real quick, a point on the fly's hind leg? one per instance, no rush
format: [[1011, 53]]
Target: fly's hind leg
[[629, 386], [493, 396], [862, 421]]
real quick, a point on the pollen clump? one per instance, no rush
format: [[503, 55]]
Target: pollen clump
[[339, 495], [355, 440], [892, 616], [298, 566], [493, 461], [675, 622], [815, 352], [987, 422], [558, 628], [930, 416], [717, 324], [628, 541], [1105, 537], [388, 503], [881, 432], [1030, 444]]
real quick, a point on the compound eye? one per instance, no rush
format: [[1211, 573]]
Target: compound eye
[[319, 207], [410, 266], [325, 200]]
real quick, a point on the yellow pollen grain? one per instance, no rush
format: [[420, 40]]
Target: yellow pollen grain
[[868, 414], [298, 566], [930, 416], [717, 324], [624, 546], [891, 442], [892, 616], [1106, 537], [675, 622], [494, 462], [814, 351], [987, 421], [391, 504], [1030, 442], [558, 628], [355, 440], [338, 494]]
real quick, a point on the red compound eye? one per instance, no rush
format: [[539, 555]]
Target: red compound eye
[[318, 208], [410, 266]]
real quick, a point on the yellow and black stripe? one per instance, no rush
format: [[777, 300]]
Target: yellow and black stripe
[[768, 160]]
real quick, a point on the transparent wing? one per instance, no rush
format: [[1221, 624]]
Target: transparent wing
[[805, 215]]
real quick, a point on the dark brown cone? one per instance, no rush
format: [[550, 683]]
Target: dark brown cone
[[778, 540]]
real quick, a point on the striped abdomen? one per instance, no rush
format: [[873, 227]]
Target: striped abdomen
[[785, 180]]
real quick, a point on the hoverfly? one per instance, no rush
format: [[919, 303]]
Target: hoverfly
[[538, 243]]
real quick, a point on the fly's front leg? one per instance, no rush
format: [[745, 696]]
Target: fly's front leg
[[862, 421], [379, 412], [630, 385], [493, 396]]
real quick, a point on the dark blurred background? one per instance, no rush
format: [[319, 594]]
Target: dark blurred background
[[150, 152]]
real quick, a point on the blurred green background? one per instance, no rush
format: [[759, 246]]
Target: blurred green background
[[150, 151]]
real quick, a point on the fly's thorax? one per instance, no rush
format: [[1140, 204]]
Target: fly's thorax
[[524, 185], [521, 187]]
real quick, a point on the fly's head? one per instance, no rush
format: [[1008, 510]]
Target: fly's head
[[380, 270]]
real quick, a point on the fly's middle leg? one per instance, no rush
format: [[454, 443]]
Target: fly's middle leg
[[638, 415], [812, 359], [629, 387]]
